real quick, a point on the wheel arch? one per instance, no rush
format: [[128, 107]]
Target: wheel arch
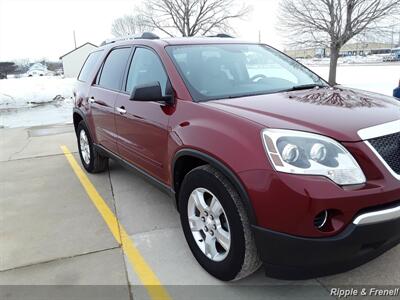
[[77, 116], [198, 158]]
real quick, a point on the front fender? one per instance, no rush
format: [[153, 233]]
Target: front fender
[[229, 143], [233, 140]]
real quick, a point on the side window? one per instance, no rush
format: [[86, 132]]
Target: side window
[[113, 68], [145, 67], [88, 66]]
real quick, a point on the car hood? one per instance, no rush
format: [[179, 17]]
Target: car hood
[[335, 112]]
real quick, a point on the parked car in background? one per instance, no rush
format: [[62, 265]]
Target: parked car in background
[[393, 56], [396, 92], [35, 73], [396, 53], [267, 163], [37, 69]]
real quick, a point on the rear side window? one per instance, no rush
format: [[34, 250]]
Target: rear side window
[[88, 66], [113, 68]]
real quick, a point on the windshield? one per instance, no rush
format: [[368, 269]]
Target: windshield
[[224, 71]]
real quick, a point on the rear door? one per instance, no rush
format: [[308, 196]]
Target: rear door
[[103, 94], [142, 127]]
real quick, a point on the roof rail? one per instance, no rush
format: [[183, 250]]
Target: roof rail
[[222, 35], [144, 35]]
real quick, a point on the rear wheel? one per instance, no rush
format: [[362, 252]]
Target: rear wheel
[[91, 160], [216, 225]]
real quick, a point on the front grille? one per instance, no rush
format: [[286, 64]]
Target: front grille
[[388, 147]]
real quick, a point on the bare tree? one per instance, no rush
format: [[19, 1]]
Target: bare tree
[[129, 25], [192, 17], [332, 23]]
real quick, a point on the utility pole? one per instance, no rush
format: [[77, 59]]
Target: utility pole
[[259, 36], [74, 39], [393, 36], [398, 45]]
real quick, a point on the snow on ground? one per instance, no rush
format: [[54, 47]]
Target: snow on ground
[[33, 91], [33, 101], [380, 78], [54, 113]]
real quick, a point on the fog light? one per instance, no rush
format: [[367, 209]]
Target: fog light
[[320, 219]]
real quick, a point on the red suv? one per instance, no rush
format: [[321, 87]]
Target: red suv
[[268, 163]]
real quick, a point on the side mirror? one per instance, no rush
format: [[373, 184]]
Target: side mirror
[[150, 92]]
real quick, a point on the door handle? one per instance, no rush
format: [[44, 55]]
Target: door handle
[[121, 110], [91, 100]]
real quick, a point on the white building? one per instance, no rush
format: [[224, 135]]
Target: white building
[[73, 60]]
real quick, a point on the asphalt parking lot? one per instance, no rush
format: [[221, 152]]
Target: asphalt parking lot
[[115, 236]]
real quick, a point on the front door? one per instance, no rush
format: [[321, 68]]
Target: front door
[[142, 127]]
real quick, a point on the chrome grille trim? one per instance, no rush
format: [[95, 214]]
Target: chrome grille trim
[[379, 130]]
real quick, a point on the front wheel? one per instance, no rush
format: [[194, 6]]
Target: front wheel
[[216, 225]]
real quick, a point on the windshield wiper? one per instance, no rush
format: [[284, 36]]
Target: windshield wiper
[[307, 87], [246, 95]]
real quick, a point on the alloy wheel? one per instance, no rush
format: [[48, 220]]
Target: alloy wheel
[[209, 224], [84, 146]]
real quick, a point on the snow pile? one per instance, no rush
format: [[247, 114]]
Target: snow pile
[[375, 78], [34, 101], [370, 59], [16, 93]]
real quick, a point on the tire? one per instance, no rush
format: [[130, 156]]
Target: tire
[[94, 162], [226, 261]]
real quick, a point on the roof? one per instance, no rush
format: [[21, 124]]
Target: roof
[[77, 49]]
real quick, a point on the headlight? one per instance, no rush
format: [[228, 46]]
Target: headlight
[[298, 152]]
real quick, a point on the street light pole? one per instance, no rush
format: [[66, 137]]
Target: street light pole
[[74, 39]]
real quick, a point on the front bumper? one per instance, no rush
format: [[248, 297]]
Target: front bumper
[[290, 203], [291, 257]]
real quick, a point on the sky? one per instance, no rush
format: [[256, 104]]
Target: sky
[[37, 29]]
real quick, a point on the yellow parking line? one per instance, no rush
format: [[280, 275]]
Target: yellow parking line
[[146, 275]]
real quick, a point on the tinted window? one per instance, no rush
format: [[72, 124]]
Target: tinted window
[[88, 66], [113, 68], [145, 68]]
